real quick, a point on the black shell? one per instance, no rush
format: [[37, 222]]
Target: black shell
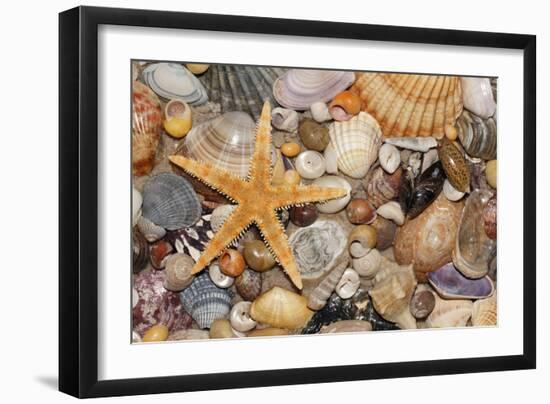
[[428, 186], [405, 191]]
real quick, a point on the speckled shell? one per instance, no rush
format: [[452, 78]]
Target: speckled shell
[[146, 124], [249, 284], [478, 96], [171, 202], [382, 187], [427, 241], [410, 104], [172, 80], [205, 302], [454, 164], [281, 308], [449, 313], [451, 284], [356, 143], [484, 312], [478, 136]]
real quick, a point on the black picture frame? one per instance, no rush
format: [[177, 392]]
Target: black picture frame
[[78, 196]]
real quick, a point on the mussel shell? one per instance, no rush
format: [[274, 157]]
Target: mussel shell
[[451, 284], [140, 250], [427, 189]]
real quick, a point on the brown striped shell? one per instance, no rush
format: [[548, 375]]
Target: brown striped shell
[[454, 164]]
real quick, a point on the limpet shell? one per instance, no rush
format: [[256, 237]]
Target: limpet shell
[[422, 304]]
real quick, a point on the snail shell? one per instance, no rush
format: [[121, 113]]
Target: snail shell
[[344, 106], [159, 252], [348, 284], [150, 231], [320, 295], [360, 211], [310, 164], [285, 119], [257, 256], [240, 317], [231, 263], [219, 279], [177, 118], [368, 265], [382, 187], [178, 272], [303, 216], [385, 232], [290, 149], [249, 284], [361, 240]]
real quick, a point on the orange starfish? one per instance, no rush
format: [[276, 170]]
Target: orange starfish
[[257, 201]]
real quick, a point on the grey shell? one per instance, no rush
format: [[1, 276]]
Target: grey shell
[[478, 135]]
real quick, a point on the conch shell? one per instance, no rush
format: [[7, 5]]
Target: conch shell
[[281, 308]]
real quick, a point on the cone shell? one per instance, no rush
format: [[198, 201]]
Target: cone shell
[[356, 143], [410, 104], [172, 80], [484, 312], [281, 308]]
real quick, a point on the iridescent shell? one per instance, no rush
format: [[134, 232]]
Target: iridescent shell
[[410, 104], [299, 88], [484, 312], [171, 202], [455, 165], [451, 284], [478, 96], [205, 302], [172, 80], [356, 143], [146, 124], [382, 187], [478, 136]]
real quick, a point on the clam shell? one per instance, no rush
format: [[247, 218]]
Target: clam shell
[[332, 181], [150, 231], [205, 302], [298, 89], [451, 284], [281, 308], [410, 104], [449, 313], [478, 96], [356, 143], [478, 136], [484, 312], [171, 202], [172, 80]]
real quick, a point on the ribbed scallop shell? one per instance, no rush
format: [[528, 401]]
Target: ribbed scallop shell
[[356, 143], [146, 123], [281, 308], [205, 302], [477, 135], [485, 312], [299, 88], [171, 202], [172, 80], [410, 104]]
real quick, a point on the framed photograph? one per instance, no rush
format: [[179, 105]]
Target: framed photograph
[[272, 202]]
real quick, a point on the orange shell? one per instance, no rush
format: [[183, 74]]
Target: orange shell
[[344, 106]]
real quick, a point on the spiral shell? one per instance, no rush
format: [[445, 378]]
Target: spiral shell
[[285, 119], [178, 272], [344, 106], [249, 284], [150, 231], [382, 187]]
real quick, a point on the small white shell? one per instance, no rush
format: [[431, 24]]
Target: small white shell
[[392, 211], [137, 200], [450, 192], [389, 158], [219, 279], [348, 284], [310, 164], [285, 119], [319, 112], [331, 159], [335, 205], [430, 157], [150, 231], [421, 144], [240, 317]]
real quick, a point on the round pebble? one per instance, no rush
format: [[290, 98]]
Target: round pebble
[[290, 149], [450, 132], [158, 332]]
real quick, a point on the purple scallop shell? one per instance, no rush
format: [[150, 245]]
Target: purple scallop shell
[[451, 284]]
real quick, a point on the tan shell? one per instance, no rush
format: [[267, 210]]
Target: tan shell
[[320, 295], [449, 313], [281, 308], [368, 265], [484, 312], [347, 326], [410, 104], [268, 332], [178, 272], [361, 240], [382, 187]]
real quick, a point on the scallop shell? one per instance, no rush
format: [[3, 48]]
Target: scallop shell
[[478, 96], [298, 89], [146, 124], [478, 136], [205, 302], [172, 80], [449, 313], [451, 284], [410, 104], [281, 308], [356, 143], [320, 295], [171, 202], [484, 312]]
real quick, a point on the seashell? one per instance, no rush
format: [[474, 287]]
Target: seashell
[[268, 332], [140, 252], [420, 144], [385, 232], [335, 205], [346, 326], [249, 284], [281, 308], [382, 187], [221, 328], [361, 240], [310, 164], [491, 173], [190, 334], [303, 216], [159, 253], [241, 88], [172, 80], [392, 211], [257, 256], [449, 313], [451, 132], [427, 241], [422, 304], [299, 88], [454, 164], [410, 104], [356, 143], [428, 186], [320, 295], [490, 218], [136, 338], [285, 119], [157, 333], [290, 149], [451, 193], [484, 312], [451, 284], [473, 250], [369, 264], [178, 272], [313, 136], [205, 302], [478, 96], [414, 163], [137, 200], [150, 231], [360, 211], [389, 158], [348, 284], [428, 159], [292, 177], [146, 122], [135, 298], [197, 68], [171, 202], [344, 106], [478, 136], [231, 262], [177, 118], [219, 279], [331, 159], [319, 112], [219, 216], [240, 317]]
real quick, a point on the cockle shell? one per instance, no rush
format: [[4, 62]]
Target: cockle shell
[[410, 104], [171, 202], [319, 112], [346, 326], [356, 143], [205, 302], [172, 80], [178, 272], [281, 308], [478, 136], [421, 144], [150, 231], [454, 164], [298, 89], [382, 187], [348, 284], [285, 119], [332, 181], [451, 284], [484, 312], [146, 124], [449, 313], [310, 164], [478, 96], [137, 200], [320, 295]]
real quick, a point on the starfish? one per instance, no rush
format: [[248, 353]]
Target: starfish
[[257, 201]]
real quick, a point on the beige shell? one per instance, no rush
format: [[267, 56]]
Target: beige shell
[[410, 104], [347, 326], [449, 313], [361, 240], [484, 312], [281, 308], [356, 143], [320, 295], [382, 187], [178, 272], [368, 265]]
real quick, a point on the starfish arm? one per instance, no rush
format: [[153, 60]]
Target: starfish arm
[[275, 236], [299, 194], [220, 180], [260, 165], [232, 228]]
